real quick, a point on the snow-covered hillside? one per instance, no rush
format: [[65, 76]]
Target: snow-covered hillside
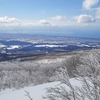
[[36, 92]]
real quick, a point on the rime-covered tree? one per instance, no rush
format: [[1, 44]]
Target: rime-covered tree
[[87, 72]]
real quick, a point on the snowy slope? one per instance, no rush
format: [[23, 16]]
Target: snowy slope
[[36, 92]]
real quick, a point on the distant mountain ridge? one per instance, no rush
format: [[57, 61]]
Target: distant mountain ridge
[[44, 45]]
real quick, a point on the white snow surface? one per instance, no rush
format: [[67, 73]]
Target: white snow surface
[[48, 61], [49, 45], [36, 92], [1, 45], [13, 47]]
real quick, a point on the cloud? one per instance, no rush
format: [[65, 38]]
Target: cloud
[[83, 18], [59, 17], [44, 22], [87, 4], [98, 13], [8, 21]]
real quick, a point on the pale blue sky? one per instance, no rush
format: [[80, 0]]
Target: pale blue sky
[[56, 17], [37, 9]]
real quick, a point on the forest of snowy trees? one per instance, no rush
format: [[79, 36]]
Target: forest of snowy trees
[[83, 66]]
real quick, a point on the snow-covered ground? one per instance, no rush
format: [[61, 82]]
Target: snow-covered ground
[[36, 92], [49, 45], [1, 45], [48, 61], [13, 47]]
